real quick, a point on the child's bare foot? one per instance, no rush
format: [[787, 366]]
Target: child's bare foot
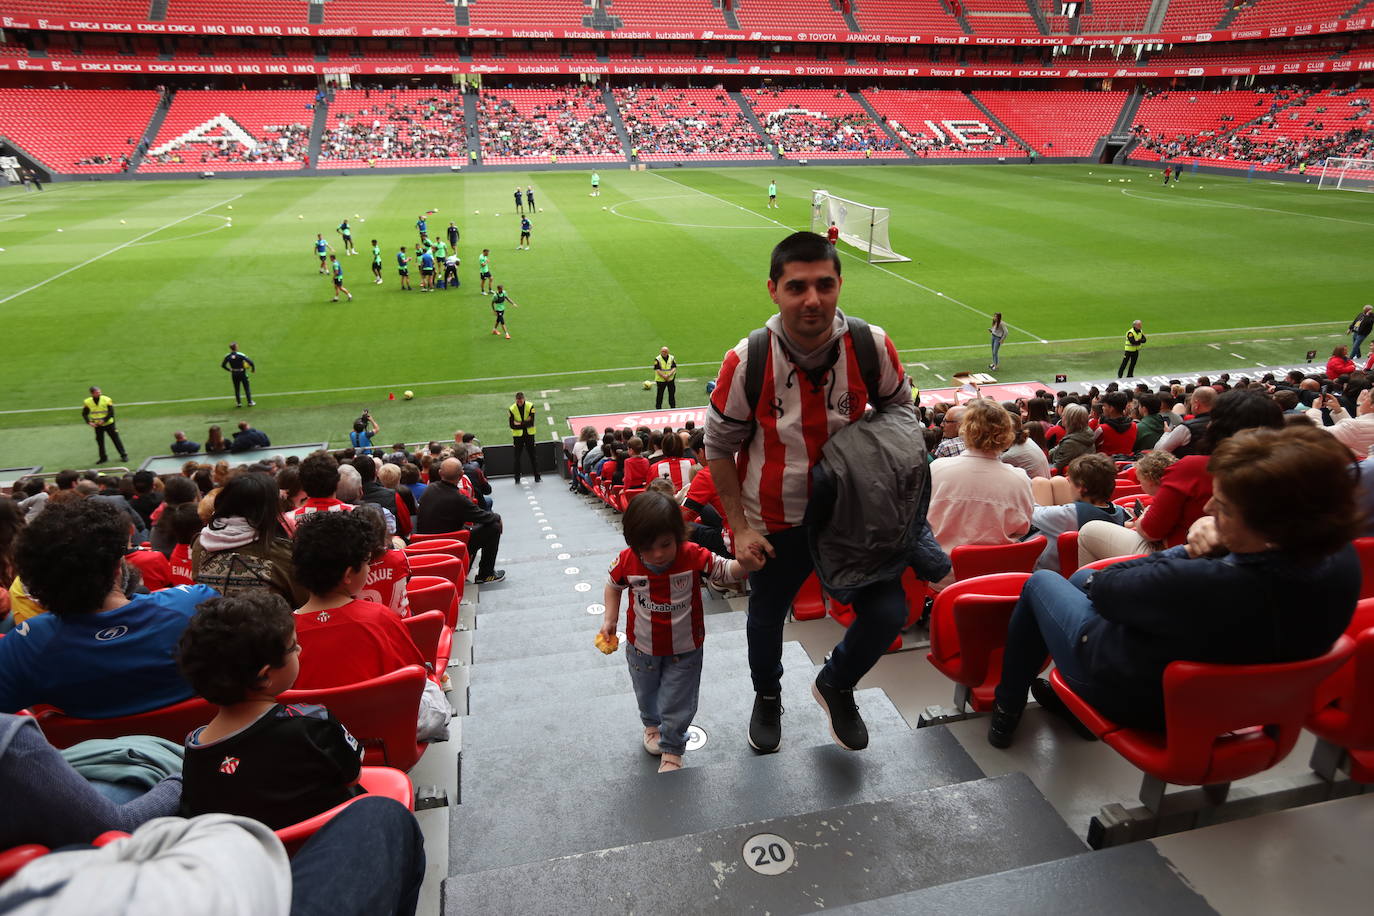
[[651, 741], [670, 762]]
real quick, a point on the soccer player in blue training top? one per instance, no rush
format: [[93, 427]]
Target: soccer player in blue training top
[[524, 234], [423, 226], [321, 249], [519, 201]]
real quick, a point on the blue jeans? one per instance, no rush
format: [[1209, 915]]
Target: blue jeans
[[996, 346], [369, 861], [667, 688], [1048, 620], [880, 611], [1355, 342]]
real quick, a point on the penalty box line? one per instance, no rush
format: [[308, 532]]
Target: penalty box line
[[934, 292]]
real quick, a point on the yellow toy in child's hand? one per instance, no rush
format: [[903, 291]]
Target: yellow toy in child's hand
[[607, 644]]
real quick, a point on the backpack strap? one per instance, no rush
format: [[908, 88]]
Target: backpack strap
[[756, 361], [866, 352]]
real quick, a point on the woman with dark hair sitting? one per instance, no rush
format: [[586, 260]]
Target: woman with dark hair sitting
[[1260, 581], [96, 653], [245, 546]]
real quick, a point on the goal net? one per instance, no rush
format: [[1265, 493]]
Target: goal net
[[1347, 175], [860, 225]]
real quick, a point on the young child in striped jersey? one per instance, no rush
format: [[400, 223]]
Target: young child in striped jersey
[[665, 626]]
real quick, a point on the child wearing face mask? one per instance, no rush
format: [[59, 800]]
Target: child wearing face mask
[[665, 627]]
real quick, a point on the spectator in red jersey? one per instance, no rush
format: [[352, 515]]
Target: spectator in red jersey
[[319, 476], [183, 521], [665, 627], [832, 235], [636, 472], [1116, 432], [344, 639], [1340, 363], [389, 570]]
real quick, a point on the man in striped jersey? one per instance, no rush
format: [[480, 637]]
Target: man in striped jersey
[[761, 446]]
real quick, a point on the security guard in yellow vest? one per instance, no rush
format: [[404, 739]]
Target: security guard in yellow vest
[[520, 415], [665, 373], [99, 413], [1135, 339]]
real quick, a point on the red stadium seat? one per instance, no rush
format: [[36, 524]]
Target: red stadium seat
[[443, 565], [916, 592], [968, 633], [1365, 548], [427, 631], [173, 722], [1126, 488], [1222, 722], [441, 536], [810, 601], [433, 593], [450, 546], [1067, 545], [378, 781], [381, 713], [16, 857], [983, 560], [1343, 715], [1110, 561]]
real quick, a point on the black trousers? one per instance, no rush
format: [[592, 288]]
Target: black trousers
[[524, 444], [485, 539], [100, 433], [671, 386], [1128, 358], [241, 380]]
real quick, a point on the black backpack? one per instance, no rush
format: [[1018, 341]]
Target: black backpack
[[865, 351]]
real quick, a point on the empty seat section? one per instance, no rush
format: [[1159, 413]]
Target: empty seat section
[[941, 123], [572, 124], [217, 130], [437, 13], [1282, 12], [1187, 15], [820, 124], [677, 124], [1000, 17], [904, 16], [1108, 17], [567, 14], [395, 127], [101, 10], [1056, 123], [793, 15], [77, 130], [655, 14], [256, 12]]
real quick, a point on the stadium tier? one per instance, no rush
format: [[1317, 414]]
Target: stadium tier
[[1256, 13], [1000, 17], [904, 16], [566, 14], [821, 124], [655, 14], [941, 123], [107, 10], [676, 124], [1188, 15], [566, 125], [398, 12], [1110, 17], [228, 130], [265, 12], [394, 127], [1056, 123], [805, 16], [84, 132]]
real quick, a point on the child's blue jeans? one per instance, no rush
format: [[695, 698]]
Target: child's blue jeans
[[667, 687]]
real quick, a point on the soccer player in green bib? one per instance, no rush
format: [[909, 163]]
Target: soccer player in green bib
[[440, 253], [498, 305], [773, 195], [484, 271], [376, 262]]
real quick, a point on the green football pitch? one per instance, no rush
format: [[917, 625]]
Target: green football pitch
[[139, 286]]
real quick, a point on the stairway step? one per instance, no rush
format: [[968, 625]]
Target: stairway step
[[571, 614], [513, 642], [534, 689], [1135, 878], [509, 807], [842, 855]]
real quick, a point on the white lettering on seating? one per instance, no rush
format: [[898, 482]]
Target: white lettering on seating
[[228, 132]]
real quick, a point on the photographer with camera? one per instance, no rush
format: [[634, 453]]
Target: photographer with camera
[[364, 428]]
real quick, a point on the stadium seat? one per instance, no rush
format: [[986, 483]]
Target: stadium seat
[[427, 632], [461, 535], [433, 593], [968, 633], [1365, 548], [916, 592], [381, 713], [441, 564], [1067, 546], [1110, 561], [173, 722], [451, 548], [385, 782], [809, 604], [1222, 722], [16, 857], [1126, 488], [1343, 714], [986, 559]]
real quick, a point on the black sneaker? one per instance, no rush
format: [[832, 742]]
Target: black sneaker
[[1044, 694], [1002, 726], [765, 725], [496, 576], [846, 725]]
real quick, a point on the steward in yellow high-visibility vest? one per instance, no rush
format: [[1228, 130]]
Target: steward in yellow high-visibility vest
[[520, 416], [99, 413], [665, 375], [1135, 339]]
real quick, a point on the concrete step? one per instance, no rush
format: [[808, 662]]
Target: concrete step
[[572, 614], [838, 856], [1133, 880], [509, 807], [568, 634], [495, 695]]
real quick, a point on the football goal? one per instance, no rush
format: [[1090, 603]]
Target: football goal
[[1347, 175], [860, 225]]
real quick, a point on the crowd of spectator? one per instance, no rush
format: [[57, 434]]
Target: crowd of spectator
[[284, 143], [393, 125], [668, 121], [569, 122]]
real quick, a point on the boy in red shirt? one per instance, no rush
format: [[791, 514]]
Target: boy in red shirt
[[636, 476]]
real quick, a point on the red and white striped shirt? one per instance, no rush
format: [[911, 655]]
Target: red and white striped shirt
[[386, 582], [794, 420], [678, 470], [325, 504], [665, 615]]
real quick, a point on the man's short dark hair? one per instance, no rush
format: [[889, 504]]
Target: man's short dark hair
[[229, 640], [1096, 474], [366, 467], [327, 546], [320, 475], [802, 246], [1149, 403], [67, 479], [143, 481], [1117, 400], [68, 555]]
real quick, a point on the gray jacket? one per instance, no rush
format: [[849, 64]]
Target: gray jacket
[[866, 519]]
